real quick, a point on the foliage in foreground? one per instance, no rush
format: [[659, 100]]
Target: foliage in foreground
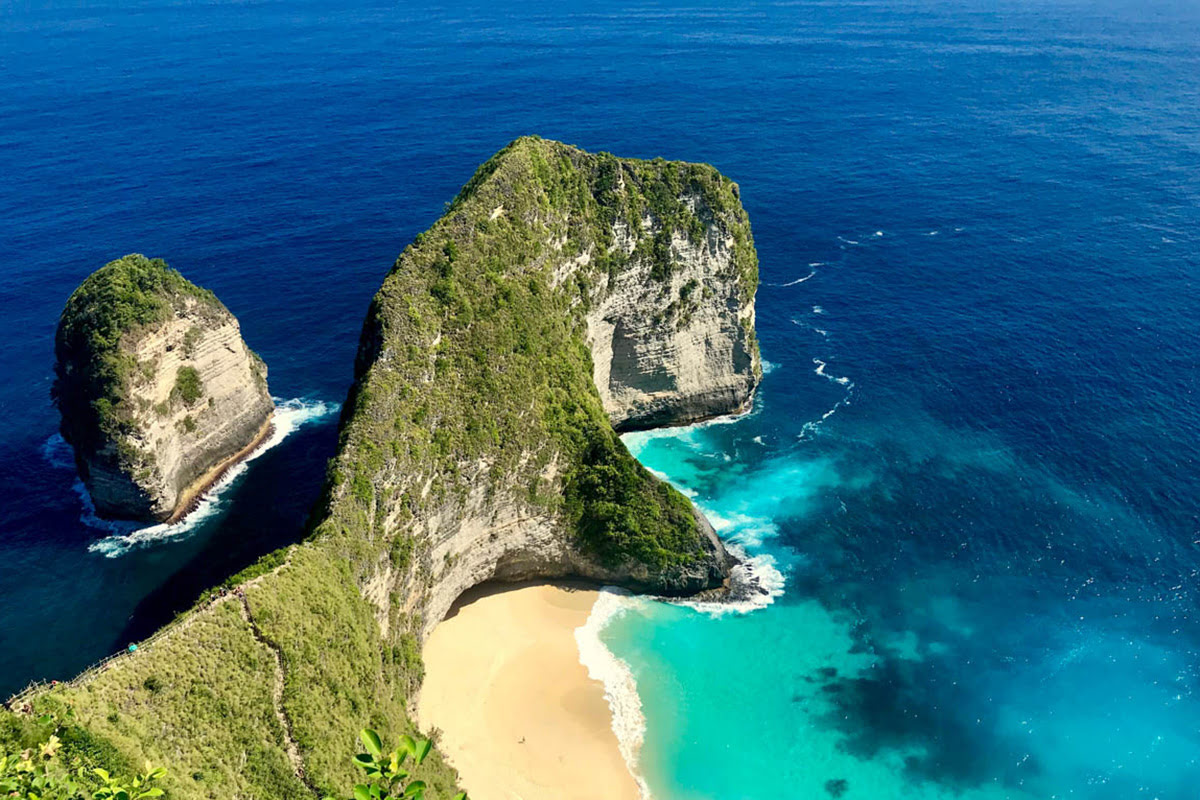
[[41, 773], [386, 775], [473, 354]]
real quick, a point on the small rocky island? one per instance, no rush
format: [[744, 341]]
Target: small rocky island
[[158, 393]]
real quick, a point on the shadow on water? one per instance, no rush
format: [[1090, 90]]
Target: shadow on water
[[267, 512]]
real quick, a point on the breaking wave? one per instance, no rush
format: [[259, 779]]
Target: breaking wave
[[123, 536], [620, 687]]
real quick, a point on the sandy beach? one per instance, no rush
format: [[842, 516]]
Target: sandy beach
[[520, 718]]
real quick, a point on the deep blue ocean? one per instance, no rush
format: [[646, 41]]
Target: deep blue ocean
[[974, 458]]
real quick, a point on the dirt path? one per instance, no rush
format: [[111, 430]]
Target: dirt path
[[238, 593], [289, 739]]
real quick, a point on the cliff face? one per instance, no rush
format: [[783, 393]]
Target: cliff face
[[684, 354], [561, 293], [157, 390]]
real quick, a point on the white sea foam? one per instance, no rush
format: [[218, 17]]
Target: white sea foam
[[844, 381], [818, 310], [816, 263], [57, 452], [620, 687], [755, 582], [124, 536], [821, 331], [793, 283], [768, 367], [878, 234], [811, 427], [844, 240], [933, 233]]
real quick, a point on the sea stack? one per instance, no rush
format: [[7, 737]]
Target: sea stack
[[159, 394]]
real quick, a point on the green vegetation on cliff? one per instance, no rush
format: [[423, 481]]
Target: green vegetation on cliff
[[472, 350], [115, 302], [474, 381]]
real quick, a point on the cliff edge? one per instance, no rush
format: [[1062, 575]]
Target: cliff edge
[[158, 392]]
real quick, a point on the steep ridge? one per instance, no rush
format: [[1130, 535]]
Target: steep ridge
[[476, 444]]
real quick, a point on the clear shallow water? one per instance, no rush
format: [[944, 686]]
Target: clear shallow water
[[993, 537]]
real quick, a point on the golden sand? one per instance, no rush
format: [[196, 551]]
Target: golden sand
[[518, 714]]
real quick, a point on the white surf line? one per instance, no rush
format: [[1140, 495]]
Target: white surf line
[[755, 582], [290, 416], [793, 283], [811, 426], [620, 687], [844, 381]]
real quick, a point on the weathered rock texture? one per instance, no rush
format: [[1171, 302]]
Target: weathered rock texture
[[158, 392], [669, 358]]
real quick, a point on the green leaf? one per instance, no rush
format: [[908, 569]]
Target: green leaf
[[156, 773], [408, 745], [415, 789], [103, 774], [422, 749], [460, 796], [361, 792], [155, 792], [371, 740]]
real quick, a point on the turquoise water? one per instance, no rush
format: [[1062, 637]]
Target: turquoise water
[[953, 681], [975, 462]]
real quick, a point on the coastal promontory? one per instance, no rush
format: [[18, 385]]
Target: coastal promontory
[[562, 297], [158, 392]]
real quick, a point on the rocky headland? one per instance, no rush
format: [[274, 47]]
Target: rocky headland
[[158, 392], [562, 296]]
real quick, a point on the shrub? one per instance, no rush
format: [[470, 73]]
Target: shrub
[[188, 386], [386, 774]]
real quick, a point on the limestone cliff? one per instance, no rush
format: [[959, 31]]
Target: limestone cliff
[[157, 390], [686, 351]]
